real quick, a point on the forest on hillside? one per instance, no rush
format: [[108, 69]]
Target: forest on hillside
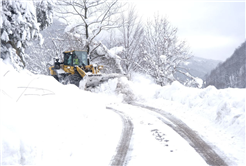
[[230, 73]]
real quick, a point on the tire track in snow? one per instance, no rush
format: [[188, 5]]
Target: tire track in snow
[[202, 148], [123, 145]]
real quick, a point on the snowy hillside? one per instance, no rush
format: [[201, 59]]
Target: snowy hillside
[[230, 73], [46, 123]]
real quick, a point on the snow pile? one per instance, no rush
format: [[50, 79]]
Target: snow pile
[[127, 91], [46, 123], [224, 107]]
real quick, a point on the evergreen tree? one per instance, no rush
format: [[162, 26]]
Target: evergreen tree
[[19, 25]]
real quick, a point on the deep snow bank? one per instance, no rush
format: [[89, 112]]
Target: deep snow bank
[[46, 123], [217, 115]]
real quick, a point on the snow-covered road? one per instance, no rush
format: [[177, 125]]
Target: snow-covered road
[[155, 142], [203, 148]]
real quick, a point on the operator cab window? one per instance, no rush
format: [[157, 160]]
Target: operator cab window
[[82, 56]]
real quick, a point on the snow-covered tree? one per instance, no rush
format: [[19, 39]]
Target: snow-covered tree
[[44, 10], [130, 37], [162, 53], [19, 26]]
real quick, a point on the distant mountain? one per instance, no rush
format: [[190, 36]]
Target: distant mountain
[[198, 67], [232, 72]]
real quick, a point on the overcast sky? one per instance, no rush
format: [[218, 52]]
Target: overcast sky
[[213, 29]]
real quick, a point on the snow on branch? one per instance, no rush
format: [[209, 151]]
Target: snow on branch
[[21, 22]]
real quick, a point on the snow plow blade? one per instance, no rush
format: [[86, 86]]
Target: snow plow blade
[[93, 80]]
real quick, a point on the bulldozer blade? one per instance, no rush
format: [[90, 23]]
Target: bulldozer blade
[[94, 80]]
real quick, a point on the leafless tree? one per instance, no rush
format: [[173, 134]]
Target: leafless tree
[[89, 18]]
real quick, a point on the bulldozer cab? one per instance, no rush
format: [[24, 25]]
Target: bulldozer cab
[[75, 58]]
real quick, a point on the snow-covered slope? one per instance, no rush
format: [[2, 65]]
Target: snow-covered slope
[[46, 123]]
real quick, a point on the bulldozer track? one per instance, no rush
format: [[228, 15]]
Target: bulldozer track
[[201, 147], [122, 148]]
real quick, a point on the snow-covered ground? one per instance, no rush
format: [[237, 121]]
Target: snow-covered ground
[[46, 123]]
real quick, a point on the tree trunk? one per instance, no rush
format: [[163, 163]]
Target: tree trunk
[[18, 52]]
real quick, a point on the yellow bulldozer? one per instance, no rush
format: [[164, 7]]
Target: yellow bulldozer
[[76, 69]]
